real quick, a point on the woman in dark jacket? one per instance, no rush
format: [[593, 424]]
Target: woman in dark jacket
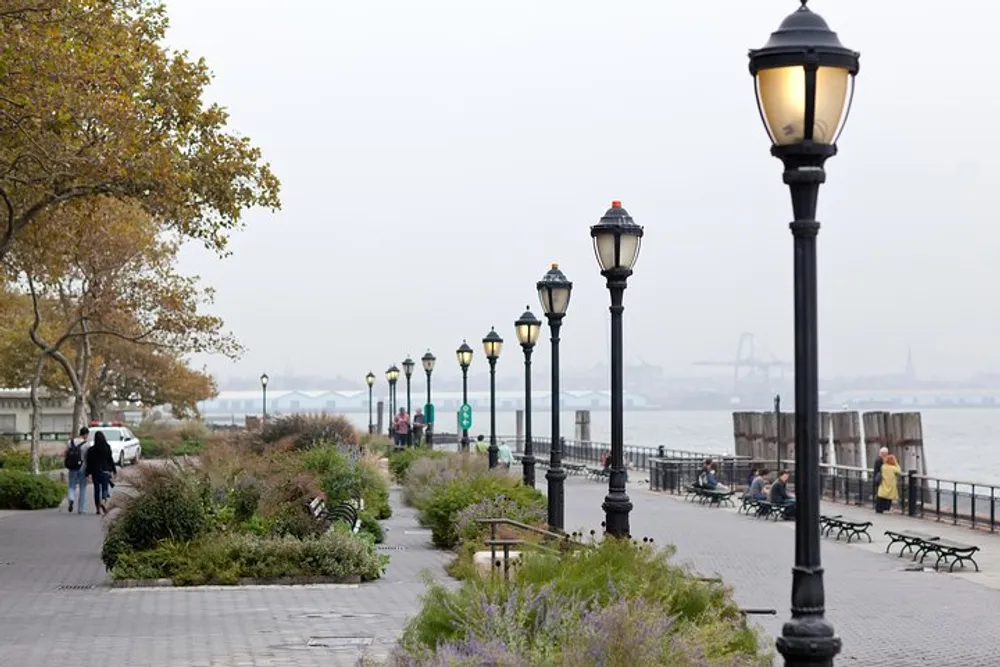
[[100, 467]]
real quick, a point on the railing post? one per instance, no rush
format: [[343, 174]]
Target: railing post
[[954, 503], [972, 509], [993, 507], [911, 493]]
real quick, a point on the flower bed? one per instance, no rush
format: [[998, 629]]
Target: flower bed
[[242, 512]]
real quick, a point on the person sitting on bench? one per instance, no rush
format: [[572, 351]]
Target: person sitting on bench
[[780, 496], [756, 490], [702, 481], [712, 480]]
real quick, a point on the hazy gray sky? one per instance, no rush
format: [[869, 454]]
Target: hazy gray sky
[[437, 155]]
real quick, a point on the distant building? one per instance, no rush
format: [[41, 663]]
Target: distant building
[[15, 415], [234, 406]]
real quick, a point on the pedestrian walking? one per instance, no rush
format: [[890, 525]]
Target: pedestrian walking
[[100, 466], [402, 424], [504, 456], [877, 473], [418, 427], [73, 460]]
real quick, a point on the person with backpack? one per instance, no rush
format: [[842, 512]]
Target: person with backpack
[[73, 461]]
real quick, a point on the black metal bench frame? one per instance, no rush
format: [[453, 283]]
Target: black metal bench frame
[[709, 496], [749, 504], [349, 513], [923, 545], [853, 529], [768, 510]]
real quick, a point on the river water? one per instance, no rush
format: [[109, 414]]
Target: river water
[[958, 443]]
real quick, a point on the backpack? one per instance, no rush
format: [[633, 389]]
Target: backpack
[[74, 457]]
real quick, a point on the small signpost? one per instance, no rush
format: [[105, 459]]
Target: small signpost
[[465, 417]]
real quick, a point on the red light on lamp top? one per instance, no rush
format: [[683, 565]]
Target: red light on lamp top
[[616, 203]]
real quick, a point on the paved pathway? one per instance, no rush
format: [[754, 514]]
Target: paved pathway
[[886, 617], [57, 609]]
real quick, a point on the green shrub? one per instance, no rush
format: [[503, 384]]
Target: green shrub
[[344, 480], [20, 460], [24, 491], [370, 525], [245, 497], [170, 504], [400, 461], [189, 448], [441, 513], [615, 604], [154, 449], [426, 475], [225, 559]]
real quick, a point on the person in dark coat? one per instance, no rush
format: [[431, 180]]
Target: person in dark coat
[[101, 466]]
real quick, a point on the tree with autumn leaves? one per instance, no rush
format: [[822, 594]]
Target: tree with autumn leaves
[[109, 161]]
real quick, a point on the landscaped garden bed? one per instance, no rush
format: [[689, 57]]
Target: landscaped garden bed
[[607, 603], [242, 512]]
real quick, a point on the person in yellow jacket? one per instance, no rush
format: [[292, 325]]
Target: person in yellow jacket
[[888, 489]]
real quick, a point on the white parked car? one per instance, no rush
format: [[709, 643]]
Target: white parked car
[[125, 447]]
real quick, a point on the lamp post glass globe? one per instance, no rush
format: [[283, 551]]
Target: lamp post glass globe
[[264, 380], [428, 361], [554, 291], [804, 79], [408, 365], [392, 374], [370, 378], [464, 354], [616, 241], [492, 343], [527, 327]]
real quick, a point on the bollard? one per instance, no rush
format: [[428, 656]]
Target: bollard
[[911, 493]]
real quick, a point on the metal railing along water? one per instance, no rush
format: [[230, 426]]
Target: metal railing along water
[[590, 452]]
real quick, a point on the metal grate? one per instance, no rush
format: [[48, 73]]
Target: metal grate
[[76, 587], [389, 547]]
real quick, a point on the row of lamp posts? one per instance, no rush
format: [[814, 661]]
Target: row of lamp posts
[[804, 81]]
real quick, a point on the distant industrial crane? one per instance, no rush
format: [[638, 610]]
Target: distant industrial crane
[[749, 372]]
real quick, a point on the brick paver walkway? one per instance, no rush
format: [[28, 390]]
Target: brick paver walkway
[[886, 617], [45, 624]]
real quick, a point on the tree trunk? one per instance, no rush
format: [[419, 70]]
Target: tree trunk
[[95, 409], [36, 413]]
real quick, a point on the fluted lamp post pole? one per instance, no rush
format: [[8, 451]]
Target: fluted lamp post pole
[[804, 81], [616, 244], [492, 344], [370, 379], [428, 362], [554, 291], [464, 354], [528, 327], [392, 375], [408, 365]]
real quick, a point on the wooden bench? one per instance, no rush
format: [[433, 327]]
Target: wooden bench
[[346, 512], [853, 529]]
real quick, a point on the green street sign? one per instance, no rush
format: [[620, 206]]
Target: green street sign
[[465, 417], [429, 413]]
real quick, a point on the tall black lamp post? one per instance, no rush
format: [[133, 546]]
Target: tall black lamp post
[[805, 81], [263, 390], [370, 379], [777, 427], [428, 361], [408, 365], [616, 243], [527, 327], [491, 346], [554, 291], [391, 375], [464, 354]]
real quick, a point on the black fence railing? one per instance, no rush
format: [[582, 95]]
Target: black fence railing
[[636, 458], [966, 503]]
